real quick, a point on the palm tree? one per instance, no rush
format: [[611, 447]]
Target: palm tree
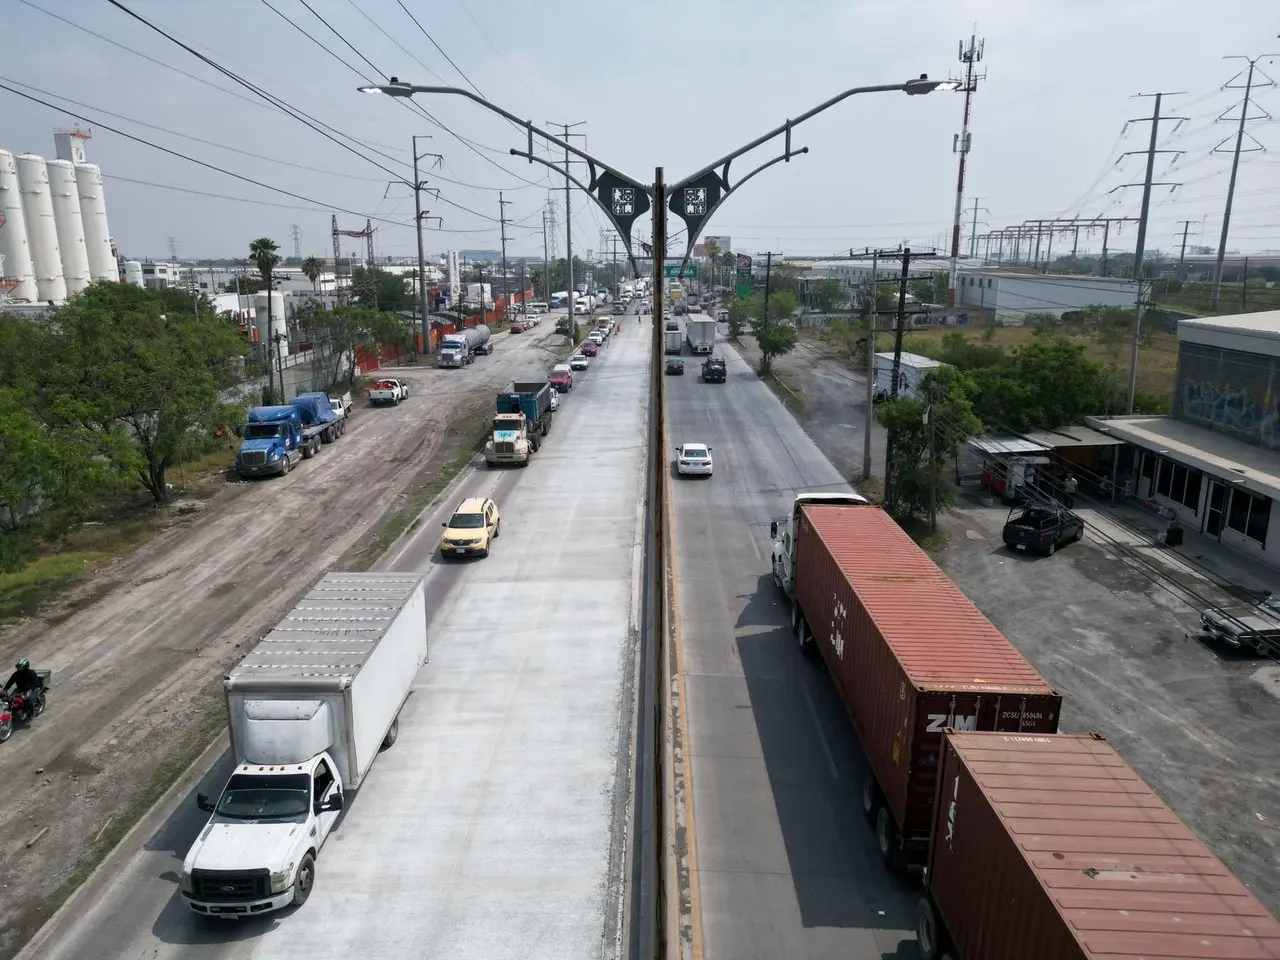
[[312, 268], [264, 252]]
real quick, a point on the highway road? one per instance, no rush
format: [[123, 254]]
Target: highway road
[[785, 864], [495, 827]]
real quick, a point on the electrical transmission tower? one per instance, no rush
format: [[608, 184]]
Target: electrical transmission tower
[[1249, 86], [366, 233], [295, 232]]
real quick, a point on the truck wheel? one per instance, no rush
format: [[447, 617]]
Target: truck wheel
[[803, 636], [1052, 549], [870, 799], [886, 837], [497, 530], [304, 880], [307, 452], [392, 733], [928, 931], [284, 467]]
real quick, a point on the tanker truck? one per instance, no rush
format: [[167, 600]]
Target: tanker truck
[[459, 349]]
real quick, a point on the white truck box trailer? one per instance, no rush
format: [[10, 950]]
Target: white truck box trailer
[[701, 333], [308, 710]]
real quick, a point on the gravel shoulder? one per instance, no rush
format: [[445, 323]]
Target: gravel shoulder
[[1200, 725], [137, 652]]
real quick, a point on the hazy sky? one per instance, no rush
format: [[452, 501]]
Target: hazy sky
[[656, 82]]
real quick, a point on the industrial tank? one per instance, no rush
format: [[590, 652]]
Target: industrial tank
[[279, 323], [93, 214], [13, 232], [42, 232], [66, 217], [133, 273]]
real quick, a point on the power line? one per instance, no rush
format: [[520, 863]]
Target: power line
[[439, 49]]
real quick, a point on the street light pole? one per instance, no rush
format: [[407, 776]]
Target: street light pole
[[418, 217]]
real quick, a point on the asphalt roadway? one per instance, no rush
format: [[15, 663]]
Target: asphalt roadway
[[496, 825], [785, 865]]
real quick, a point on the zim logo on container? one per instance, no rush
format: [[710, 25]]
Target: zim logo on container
[[940, 721]]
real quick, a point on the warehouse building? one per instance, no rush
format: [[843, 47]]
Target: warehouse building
[[1215, 461], [1003, 296]]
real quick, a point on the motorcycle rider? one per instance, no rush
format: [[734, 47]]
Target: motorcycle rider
[[24, 680]]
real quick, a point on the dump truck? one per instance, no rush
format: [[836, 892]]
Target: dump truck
[[275, 438], [714, 370], [521, 419], [1052, 847], [700, 331], [308, 710], [909, 653], [461, 348]]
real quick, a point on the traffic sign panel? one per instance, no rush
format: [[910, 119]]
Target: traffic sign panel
[[674, 271]]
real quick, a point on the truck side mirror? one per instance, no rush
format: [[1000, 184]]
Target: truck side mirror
[[773, 530], [202, 801], [445, 525], [331, 805]]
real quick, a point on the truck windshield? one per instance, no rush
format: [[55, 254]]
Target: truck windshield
[[467, 521], [249, 797], [263, 431]]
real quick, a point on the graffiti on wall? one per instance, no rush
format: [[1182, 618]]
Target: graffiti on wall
[[1236, 410]]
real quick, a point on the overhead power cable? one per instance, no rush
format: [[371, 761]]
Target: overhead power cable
[[439, 49]]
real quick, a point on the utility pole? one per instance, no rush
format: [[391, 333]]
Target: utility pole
[[568, 215], [418, 216], [973, 236], [768, 269], [502, 221], [617, 280], [546, 263], [930, 420], [970, 56], [1182, 250], [1235, 161], [1140, 248], [524, 301], [899, 329], [872, 316]]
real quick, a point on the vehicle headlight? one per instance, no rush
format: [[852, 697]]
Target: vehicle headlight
[[186, 883], [274, 455], [281, 881]]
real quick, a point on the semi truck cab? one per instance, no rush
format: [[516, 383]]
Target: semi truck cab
[[783, 533], [273, 441], [512, 439], [257, 853]]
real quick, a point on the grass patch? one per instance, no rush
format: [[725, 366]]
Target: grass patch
[[872, 488], [419, 498], [918, 530], [788, 392]]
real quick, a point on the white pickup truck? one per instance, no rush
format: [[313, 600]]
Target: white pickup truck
[[388, 391], [308, 711], [341, 405]]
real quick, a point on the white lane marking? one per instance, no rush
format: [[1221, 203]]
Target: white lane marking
[[822, 737]]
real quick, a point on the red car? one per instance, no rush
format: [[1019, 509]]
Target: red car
[[590, 349], [561, 378]]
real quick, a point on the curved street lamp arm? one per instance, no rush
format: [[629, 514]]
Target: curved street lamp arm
[[785, 128], [725, 196]]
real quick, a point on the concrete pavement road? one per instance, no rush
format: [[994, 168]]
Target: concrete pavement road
[[786, 866], [496, 825]]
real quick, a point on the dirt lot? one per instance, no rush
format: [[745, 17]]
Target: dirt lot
[[1200, 725], [138, 648]]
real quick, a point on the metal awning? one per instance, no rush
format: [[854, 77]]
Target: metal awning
[[1073, 436], [998, 445]]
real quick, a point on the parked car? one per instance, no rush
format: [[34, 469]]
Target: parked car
[[471, 529], [1041, 529], [518, 327], [693, 459], [590, 348], [561, 377], [1246, 625], [555, 400], [579, 361], [675, 366]]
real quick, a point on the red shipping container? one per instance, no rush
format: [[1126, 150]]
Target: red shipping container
[[910, 655], [1053, 848]]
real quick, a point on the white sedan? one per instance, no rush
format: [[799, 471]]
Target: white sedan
[[693, 459], [578, 361]]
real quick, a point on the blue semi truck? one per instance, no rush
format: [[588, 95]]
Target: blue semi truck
[[276, 438], [522, 417]]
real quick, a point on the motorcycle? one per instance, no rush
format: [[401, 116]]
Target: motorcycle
[[23, 707]]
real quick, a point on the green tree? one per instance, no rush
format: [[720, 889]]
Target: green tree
[[381, 289], [927, 434], [1047, 383], [774, 338], [143, 371], [827, 295], [340, 331], [739, 309], [568, 328], [311, 269]]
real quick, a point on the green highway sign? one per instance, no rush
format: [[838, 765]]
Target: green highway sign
[[673, 271]]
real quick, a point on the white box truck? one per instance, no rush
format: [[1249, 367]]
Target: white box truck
[[700, 331], [308, 710], [911, 370]]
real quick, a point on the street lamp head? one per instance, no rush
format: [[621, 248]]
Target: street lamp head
[[925, 85], [392, 88]]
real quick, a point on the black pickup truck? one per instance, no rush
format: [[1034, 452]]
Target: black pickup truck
[[713, 370], [1041, 529], [1246, 625]]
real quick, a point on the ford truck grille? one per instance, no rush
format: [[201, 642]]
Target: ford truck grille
[[226, 886], [504, 446], [253, 458]]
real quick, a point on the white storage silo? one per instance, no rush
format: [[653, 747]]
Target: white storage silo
[[93, 213], [133, 273], [42, 232], [278, 320], [66, 217], [13, 232]]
